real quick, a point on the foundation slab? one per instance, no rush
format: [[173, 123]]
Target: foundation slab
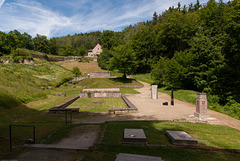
[[134, 136], [134, 157], [181, 138]]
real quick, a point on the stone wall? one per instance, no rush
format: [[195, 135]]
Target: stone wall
[[61, 107], [100, 94], [100, 75]]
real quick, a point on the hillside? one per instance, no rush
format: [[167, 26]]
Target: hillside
[[21, 83]]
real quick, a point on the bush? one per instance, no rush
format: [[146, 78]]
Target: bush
[[76, 71], [19, 55], [64, 81]]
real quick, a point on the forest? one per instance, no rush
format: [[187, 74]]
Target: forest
[[194, 47]]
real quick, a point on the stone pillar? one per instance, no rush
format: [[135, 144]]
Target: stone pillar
[[201, 106], [154, 93]]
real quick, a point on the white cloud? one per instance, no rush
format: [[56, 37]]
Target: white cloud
[[32, 17], [1, 3], [61, 17]]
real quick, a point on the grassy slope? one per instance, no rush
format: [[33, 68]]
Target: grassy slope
[[90, 67], [22, 83]]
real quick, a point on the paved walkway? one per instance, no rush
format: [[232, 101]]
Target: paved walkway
[[150, 109]]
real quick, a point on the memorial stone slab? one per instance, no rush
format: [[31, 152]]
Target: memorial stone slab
[[201, 106], [154, 92], [181, 138], [134, 136], [134, 157]]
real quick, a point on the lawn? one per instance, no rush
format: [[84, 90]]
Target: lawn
[[108, 82], [97, 104], [208, 136], [90, 67], [143, 77]]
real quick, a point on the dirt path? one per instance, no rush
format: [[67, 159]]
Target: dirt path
[[149, 109]]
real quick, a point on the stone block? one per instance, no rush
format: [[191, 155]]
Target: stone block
[[134, 136], [135, 157], [181, 138], [154, 91]]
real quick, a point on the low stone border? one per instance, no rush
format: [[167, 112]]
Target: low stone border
[[60, 94], [131, 107], [101, 90], [100, 94], [61, 108], [129, 86], [129, 103]]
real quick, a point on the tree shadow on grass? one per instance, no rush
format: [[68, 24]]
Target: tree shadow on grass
[[122, 80]]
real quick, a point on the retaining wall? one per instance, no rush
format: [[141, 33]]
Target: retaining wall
[[100, 75], [61, 107]]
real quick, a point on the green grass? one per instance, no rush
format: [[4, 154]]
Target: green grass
[[21, 83], [180, 94], [107, 82], [128, 91], [108, 153], [97, 104], [209, 136], [144, 77]]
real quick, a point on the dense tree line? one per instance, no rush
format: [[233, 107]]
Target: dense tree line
[[195, 47], [77, 44]]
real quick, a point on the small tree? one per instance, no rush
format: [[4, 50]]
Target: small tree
[[82, 51], [124, 60], [76, 71]]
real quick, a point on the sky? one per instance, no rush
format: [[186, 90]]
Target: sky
[[55, 18]]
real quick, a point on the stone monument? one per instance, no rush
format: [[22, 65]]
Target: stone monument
[[201, 106], [154, 92]]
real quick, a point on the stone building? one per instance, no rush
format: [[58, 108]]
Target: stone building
[[96, 51]]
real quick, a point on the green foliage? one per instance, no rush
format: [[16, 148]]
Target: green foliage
[[82, 51], [76, 71], [109, 39], [40, 43], [67, 50], [103, 59], [19, 55], [64, 81], [8, 42], [124, 60]]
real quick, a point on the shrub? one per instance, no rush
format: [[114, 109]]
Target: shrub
[[76, 71], [19, 55], [64, 81]]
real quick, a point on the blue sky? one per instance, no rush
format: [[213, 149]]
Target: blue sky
[[55, 18]]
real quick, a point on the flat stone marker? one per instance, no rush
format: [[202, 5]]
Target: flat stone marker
[[181, 138], [134, 157], [154, 92], [134, 136]]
